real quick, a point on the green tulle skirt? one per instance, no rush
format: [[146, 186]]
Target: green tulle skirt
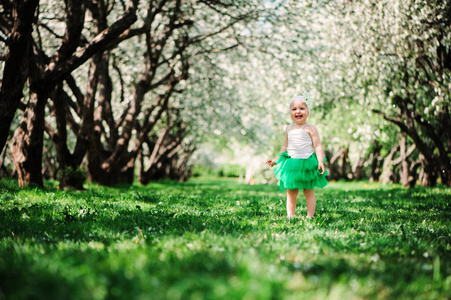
[[295, 173]]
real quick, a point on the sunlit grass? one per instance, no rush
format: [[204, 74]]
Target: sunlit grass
[[221, 239]]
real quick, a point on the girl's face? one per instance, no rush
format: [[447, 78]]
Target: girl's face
[[299, 112]]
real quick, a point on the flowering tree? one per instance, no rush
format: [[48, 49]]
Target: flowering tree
[[180, 75], [368, 64], [114, 118], [45, 71], [16, 25], [402, 72]]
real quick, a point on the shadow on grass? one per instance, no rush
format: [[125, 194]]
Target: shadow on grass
[[361, 211], [49, 225], [44, 242]]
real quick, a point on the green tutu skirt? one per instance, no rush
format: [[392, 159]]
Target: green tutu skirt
[[296, 173]]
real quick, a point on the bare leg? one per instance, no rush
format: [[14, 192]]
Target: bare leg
[[311, 202], [291, 202]]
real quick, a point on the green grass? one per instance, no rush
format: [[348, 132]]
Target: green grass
[[219, 239]]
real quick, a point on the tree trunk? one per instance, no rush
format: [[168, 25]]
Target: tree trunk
[[106, 37], [165, 160], [376, 162], [335, 168], [429, 172], [408, 179], [28, 142], [16, 63], [357, 169], [49, 169], [59, 137], [426, 153], [339, 165], [388, 174], [46, 73], [4, 172], [445, 130], [102, 168]]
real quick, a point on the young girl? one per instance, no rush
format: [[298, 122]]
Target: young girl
[[298, 167]]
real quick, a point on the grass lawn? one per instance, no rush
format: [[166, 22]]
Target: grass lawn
[[220, 239]]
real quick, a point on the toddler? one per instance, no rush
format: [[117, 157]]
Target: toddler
[[301, 162]]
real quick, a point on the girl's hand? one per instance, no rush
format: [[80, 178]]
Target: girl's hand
[[271, 162], [321, 168]]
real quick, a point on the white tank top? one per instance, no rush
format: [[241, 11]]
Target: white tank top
[[300, 143]]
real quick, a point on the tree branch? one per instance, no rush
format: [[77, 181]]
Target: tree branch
[[422, 147], [200, 38], [397, 121], [43, 25], [101, 42]]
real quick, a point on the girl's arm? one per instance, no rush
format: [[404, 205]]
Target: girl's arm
[[318, 147], [272, 162]]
